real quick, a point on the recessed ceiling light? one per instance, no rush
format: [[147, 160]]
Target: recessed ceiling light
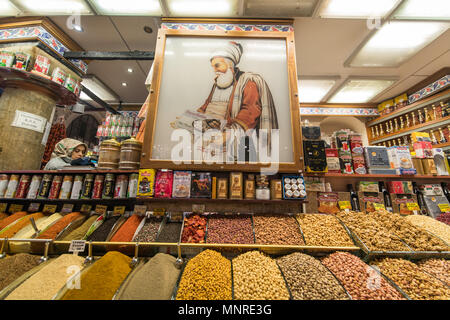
[[130, 70], [356, 8], [420, 9], [54, 7], [124, 84], [128, 7], [396, 42], [7, 9], [360, 90], [313, 90], [147, 29], [202, 7]]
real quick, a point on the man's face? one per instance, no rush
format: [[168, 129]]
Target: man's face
[[224, 72], [219, 65]]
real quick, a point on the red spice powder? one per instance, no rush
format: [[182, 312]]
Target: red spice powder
[[3, 215], [127, 230], [6, 221], [59, 225], [194, 229]]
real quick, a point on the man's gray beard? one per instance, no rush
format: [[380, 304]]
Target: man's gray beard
[[224, 80]]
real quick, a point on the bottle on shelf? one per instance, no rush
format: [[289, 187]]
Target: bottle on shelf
[[442, 136], [434, 114], [420, 116], [443, 110], [399, 141], [387, 198], [420, 199], [402, 125], [407, 120], [433, 137], [353, 198], [391, 127], [445, 190], [413, 118], [427, 115], [395, 125], [376, 131], [373, 133]]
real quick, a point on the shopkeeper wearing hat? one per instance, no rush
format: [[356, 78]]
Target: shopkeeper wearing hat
[[68, 152]]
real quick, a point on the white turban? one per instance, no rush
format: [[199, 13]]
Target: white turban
[[232, 51]]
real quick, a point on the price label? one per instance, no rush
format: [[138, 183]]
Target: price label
[[140, 209], [413, 206], [3, 207], [77, 246], [159, 212], [100, 209], [15, 208], [444, 207], [49, 208], [119, 210], [344, 205], [86, 208], [176, 216], [198, 208], [34, 207], [379, 206], [67, 207]]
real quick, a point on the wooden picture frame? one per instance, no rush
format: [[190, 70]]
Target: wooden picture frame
[[150, 159]]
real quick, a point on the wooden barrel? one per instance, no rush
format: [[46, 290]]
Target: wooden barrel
[[23, 117], [130, 154], [109, 154]]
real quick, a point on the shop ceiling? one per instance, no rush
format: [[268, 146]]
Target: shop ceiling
[[327, 45]]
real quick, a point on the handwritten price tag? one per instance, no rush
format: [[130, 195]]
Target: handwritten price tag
[[379, 206], [49, 208], [344, 205], [34, 207], [413, 206], [86, 208], [140, 209], [77, 246], [444, 207], [67, 207], [3, 207], [119, 210], [15, 208], [100, 209], [159, 212]]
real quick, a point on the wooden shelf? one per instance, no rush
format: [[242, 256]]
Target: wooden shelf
[[87, 201], [419, 127], [412, 107], [10, 77], [444, 146], [374, 176], [235, 201], [94, 171]]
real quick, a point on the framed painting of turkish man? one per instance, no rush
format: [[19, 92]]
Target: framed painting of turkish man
[[223, 100]]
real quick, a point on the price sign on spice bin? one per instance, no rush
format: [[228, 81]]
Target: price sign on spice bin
[[159, 212], [15, 208], [413, 206], [444, 207], [49, 208], [140, 209], [67, 207], [86, 208], [3, 207], [378, 206], [77, 246], [34, 207], [100, 209], [119, 210], [343, 205]]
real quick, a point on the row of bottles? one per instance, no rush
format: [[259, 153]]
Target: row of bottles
[[437, 136], [410, 120]]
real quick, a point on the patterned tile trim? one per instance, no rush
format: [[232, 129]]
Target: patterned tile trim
[[225, 27], [340, 111], [430, 89]]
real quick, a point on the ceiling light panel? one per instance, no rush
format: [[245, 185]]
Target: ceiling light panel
[[7, 9], [356, 9], [127, 7], [99, 89], [420, 9], [54, 7], [285, 8], [313, 91], [360, 90], [396, 42], [202, 8]]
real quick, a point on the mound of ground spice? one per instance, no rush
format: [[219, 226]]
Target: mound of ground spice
[[7, 221], [102, 279], [11, 230], [80, 232], [12, 267], [127, 230], [103, 231], [58, 226], [3, 216]]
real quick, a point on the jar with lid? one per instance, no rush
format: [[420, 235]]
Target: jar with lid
[[109, 154], [130, 154], [262, 187]]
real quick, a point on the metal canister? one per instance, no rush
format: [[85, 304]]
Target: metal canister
[[56, 187], [108, 190], [133, 185], [3, 184], [76, 188], [24, 183], [44, 188], [12, 186], [34, 187], [88, 183], [66, 187], [120, 189], [98, 186]]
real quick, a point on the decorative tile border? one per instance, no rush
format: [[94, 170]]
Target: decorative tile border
[[45, 36], [225, 27], [430, 89], [340, 111]]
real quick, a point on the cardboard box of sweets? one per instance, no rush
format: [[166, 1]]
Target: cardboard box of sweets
[[371, 201], [405, 204], [368, 186], [436, 205], [400, 187], [333, 163], [326, 202], [315, 156]]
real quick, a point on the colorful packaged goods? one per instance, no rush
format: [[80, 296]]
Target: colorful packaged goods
[[108, 189], [70, 83], [42, 65], [400, 187], [146, 182], [59, 76], [328, 202], [6, 59], [333, 163], [12, 186], [163, 184], [88, 186], [66, 187], [405, 204], [77, 187], [440, 161], [120, 188], [400, 160], [371, 201], [22, 61], [55, 187], [345, 154], [356, 146], [368, 186], [4, 179], [22, 189], [315, 156], [377, 160], [293, 187], [181, 184], [133, 185], [201, 185]]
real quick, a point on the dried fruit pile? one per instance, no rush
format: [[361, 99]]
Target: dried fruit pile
[[194, 229]]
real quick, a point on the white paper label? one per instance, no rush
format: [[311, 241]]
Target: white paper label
[[29, 121], [46, 134], [77, 245]]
